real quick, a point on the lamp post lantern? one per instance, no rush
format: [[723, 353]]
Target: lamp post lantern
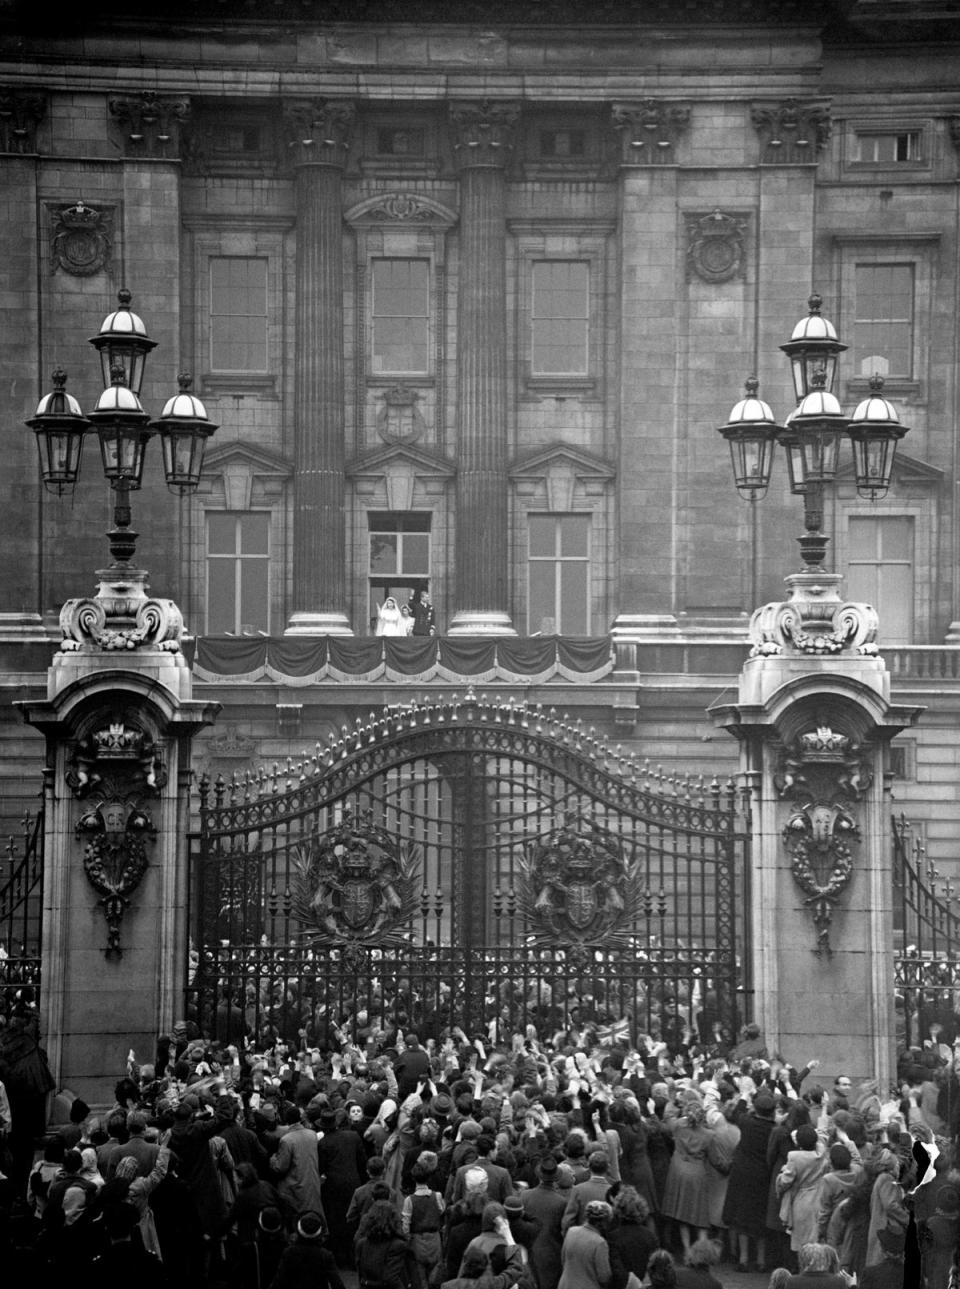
[[812, 434], [123, 430]]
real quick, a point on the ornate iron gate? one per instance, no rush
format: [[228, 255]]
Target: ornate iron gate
[[465, 862], [21, 911], [927, 942]]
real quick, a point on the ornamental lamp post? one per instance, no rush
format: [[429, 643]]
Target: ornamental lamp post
[[812, 434], [813, 717], [118, 717], [123, 429]]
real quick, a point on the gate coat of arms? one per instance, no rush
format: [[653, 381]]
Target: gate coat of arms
[[356, 886], [578, 885]]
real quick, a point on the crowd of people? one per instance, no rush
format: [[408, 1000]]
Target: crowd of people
[[462, 1162]]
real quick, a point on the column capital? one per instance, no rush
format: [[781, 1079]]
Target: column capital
[[792, 130], [319, 131], [483, 133], [21, 111], [150, 122], [649, 130]]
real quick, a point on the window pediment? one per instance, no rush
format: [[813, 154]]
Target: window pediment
[[400, 210]]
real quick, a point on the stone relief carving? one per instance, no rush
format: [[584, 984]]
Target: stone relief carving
[[82, 239], [20, 114], [115, 768], [151, 122], [399, 419], [791, 131], [823, 773], [650, 130], [715, 246]]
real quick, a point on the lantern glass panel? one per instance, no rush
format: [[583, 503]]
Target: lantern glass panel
[[125, 353], [182, 457], [820, 446], [59, 451], [751, 455], [122, 451], [873, 463]]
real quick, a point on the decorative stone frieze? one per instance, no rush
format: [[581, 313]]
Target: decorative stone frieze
[[82, 239], [649, 130], [716, 246], [791, 131], [150, 123], [20, 113]]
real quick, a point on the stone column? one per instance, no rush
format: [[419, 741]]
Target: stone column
[[21, 113], [814, 719], [648, 134], [119, 718], [483, 136], [319, 133]]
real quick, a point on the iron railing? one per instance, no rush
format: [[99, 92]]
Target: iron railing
[[926, 940], [21, 911], [465, 791]]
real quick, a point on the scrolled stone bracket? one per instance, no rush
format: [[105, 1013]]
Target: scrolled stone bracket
[[814, 621], [121, 616]]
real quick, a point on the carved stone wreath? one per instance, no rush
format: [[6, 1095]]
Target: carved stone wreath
[[823, 771], [115, 766], [817, 836]]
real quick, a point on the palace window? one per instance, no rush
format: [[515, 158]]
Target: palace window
[[400, 308], [238, 572], [560, 318], [558, 583], [888, 147], [883, 322], [400, 141], [399, 561], [238, 313], [880, 571], [563, 145]]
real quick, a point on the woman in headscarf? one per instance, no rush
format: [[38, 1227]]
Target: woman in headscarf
[[125, 1187], [686, 1197], [799, 1184], [745, 1207], [887, 1208]]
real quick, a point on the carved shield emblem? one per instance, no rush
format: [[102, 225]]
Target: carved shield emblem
[[581, 904], [356, 903]]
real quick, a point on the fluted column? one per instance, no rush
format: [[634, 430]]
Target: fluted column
[[318, 132], [483, 138]]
